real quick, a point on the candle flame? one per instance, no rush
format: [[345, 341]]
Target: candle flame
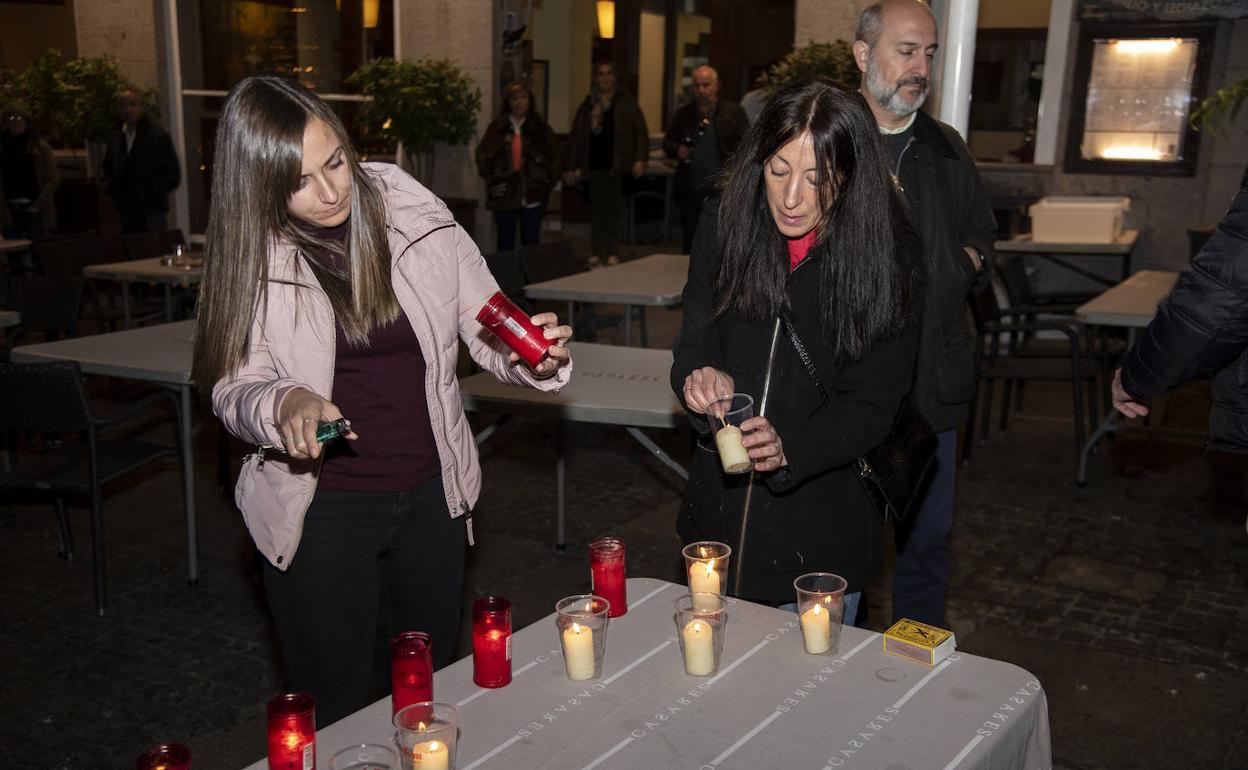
[[816, 610], [421, 726], [576, 628], [702, 551], [589, 606], [697, 627], [434, 745], [292, 740], [709, 566]]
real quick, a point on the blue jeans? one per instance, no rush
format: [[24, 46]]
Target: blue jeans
[[850, 604], [530, 220], [921, 572]]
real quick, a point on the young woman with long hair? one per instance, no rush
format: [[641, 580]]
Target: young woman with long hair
[[334, 288], [803, 292]]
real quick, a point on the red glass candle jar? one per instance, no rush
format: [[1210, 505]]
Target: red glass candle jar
[[292, 732], [411, 669], [166, 756], [606, 569], [511, 325], [491, 641]]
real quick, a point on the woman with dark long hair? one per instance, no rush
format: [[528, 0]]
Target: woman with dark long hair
[[516, 157], [334, 288], [803, 292]]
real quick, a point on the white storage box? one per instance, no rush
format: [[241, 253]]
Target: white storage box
[[1077, 219]]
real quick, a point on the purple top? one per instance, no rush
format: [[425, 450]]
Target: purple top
[[380, 388]]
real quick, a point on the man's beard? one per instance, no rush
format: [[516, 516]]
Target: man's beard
[[890, 98]]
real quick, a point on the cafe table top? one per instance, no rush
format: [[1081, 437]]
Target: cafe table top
[[9, 318], [145, 270], [1132, 303], [160, 353], [770, 705], [1120, 246], [13, 244], [656, 280]]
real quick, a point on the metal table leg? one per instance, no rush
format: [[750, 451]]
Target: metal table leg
[[659, 454], [560, 474], [188, 484]]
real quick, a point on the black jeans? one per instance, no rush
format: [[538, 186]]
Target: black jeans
[[690, 212], [369, 565], [530, 220]]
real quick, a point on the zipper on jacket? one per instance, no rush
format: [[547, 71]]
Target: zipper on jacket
[[896, 175], [316, 473]]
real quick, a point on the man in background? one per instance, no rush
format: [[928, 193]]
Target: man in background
[[140, 168], [701, 135], [894, 45]]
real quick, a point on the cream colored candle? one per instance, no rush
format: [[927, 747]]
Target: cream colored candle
[[699, 648], [703, 579], [817, 629], [578, 652], [732, 453], [431, 755]]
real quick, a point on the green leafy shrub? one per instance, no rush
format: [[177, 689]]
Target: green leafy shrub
[[830, 60]]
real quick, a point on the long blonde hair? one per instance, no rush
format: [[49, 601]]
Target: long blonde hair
[[257, 166]]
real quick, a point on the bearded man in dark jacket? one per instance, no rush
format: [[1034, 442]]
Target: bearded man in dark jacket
[[1202, 327], [893, 46]]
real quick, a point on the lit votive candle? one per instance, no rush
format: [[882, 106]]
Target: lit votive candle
[[732, 453], [578, 651], [699, 648], [817, 629], [431, 755], [703, 579]]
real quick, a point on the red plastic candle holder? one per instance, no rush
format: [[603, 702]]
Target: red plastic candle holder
[[606, 569], [292, 732], [411, 669], [166, 756], [512, 325], [491, 641]]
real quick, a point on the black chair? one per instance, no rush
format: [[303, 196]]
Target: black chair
[[997, 358], [548, 261], [68, 257], [154, 244], [49, 398], [49, 306]]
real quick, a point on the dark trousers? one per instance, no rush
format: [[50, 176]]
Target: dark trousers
[[530, 220], [143, 221], [606, 198], [921, 572], [369, 565], [690, 213]]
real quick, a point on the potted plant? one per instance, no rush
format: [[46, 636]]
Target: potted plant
[[830, 60], [418, 103]]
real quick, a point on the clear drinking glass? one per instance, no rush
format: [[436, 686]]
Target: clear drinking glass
[[700, 622], [582, 624], [724, 415], [706, 564], [364, 756], [820, 607], [426, 734]]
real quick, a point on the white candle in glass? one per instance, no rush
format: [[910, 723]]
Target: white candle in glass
[[703, 579], [699, 648], [431, 755], [733, 455], [817, 629], [578, 652]]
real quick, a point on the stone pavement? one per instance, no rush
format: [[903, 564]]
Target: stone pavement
[[1127, 599]]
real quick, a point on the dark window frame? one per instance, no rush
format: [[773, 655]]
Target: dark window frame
[[1089, 32]]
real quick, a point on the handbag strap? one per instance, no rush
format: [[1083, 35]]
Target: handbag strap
[[803, 354]]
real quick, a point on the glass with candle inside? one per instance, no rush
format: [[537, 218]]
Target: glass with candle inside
[[292, 732], [607, 573], [706, 565], [364, 756], [411, 669], [513, 326], [491, 641], [700, 622], [582, 624], [724, 416], [166, 756], [820, 607], [426, 735]]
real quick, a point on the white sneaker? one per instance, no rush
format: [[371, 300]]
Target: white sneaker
[[593, 263], [613, 260]]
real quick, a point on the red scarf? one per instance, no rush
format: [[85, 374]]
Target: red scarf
[[800, 247]]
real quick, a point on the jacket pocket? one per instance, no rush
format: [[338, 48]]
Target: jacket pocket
[[955, 364]]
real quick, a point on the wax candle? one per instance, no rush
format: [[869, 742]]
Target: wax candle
[[411, 669], [608, 574], [817, 629], [166, 756], [699, 649], [292, 732], [703, 579], [431, 755], [733, 455], [578, 652]]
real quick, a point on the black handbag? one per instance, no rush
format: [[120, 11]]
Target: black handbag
[[502, 191], [893, 473]]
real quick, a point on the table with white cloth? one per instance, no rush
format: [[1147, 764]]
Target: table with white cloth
[[150, 270], [770, 706], [159, 354], [1130, 305], [9, 318], [610, 385], [654, 281]]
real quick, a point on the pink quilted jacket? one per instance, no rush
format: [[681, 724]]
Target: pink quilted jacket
[[441, 282]]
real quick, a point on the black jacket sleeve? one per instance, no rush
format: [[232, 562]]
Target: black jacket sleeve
[[167, 171], [697, 343], [1203, 325], [674, 137], [978, 227]]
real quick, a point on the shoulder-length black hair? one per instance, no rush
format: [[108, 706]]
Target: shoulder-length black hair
[[866, 262]]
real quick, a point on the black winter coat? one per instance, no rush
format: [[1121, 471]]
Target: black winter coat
[[632, 140], [812, 515], [141, 179], [730, 125], [949, 208], [537, 150], [1203, 327]]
